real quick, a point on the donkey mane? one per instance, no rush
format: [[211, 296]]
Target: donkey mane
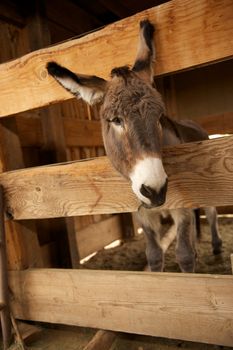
[[123, 72]]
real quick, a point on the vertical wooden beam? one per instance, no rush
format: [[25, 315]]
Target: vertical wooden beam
[[4, 293], [23, 248], [232, 262], [11, 158], [54, 149]]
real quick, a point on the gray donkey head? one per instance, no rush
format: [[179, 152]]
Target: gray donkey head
[[131, 109]]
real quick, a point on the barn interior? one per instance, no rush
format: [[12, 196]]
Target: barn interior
[[69, 131]]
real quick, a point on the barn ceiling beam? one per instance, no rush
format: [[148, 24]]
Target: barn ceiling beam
[[200, 175], [179, 306], [70, 16], [116, 7], [9, 12], [189, 34]]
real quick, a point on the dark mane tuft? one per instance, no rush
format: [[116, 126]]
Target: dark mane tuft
[[120, 72]]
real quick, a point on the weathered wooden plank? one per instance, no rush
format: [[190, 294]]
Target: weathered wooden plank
[[181, 306], [96, 236], [200, 174], [189, 34]]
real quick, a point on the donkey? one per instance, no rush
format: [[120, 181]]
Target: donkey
[[135, 128]]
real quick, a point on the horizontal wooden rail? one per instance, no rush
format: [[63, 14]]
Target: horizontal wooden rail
[[181, 306], [200, 174], [189, 34], [217, 124], [78, 133]]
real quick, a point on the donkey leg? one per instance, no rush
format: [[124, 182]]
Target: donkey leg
[[151, 224], [212, 218], [185, 245], [168, 238], [154, 252]]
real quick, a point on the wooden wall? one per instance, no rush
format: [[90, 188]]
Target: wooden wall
[[203, 95]]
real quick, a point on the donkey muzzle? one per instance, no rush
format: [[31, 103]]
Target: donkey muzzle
[[157, 198]]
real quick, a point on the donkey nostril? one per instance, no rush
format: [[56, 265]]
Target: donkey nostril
[[147, 191]]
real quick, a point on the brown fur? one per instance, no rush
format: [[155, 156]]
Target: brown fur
[[140, 107]]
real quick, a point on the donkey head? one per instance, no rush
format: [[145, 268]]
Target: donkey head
[[130, 116]]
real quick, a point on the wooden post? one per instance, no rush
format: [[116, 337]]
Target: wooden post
[[54, 145], [4, 292], [232, 262]]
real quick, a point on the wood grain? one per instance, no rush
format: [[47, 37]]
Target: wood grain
[[179, 306], [96, 236], [23, 248], [200, 174], [189, 34]]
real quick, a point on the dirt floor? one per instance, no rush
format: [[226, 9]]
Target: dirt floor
[[130, 256]]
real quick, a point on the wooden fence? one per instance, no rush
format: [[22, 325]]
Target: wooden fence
[[189, 307]]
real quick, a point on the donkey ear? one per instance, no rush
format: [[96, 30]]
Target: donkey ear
[[88, 87], [145, 57]]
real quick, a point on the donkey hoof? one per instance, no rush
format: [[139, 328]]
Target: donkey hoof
[[217, 251], [217, 247]]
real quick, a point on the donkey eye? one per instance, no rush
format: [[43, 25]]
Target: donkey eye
[[117, 121]]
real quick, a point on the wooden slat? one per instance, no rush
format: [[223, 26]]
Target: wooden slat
[[30, 131], [96, 236], [49, 254], [189, 34], [78, 133], [200, 174], [217, 124], [82, 133], [181, 306]]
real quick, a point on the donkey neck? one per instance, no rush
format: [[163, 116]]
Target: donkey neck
[[176, 132]]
